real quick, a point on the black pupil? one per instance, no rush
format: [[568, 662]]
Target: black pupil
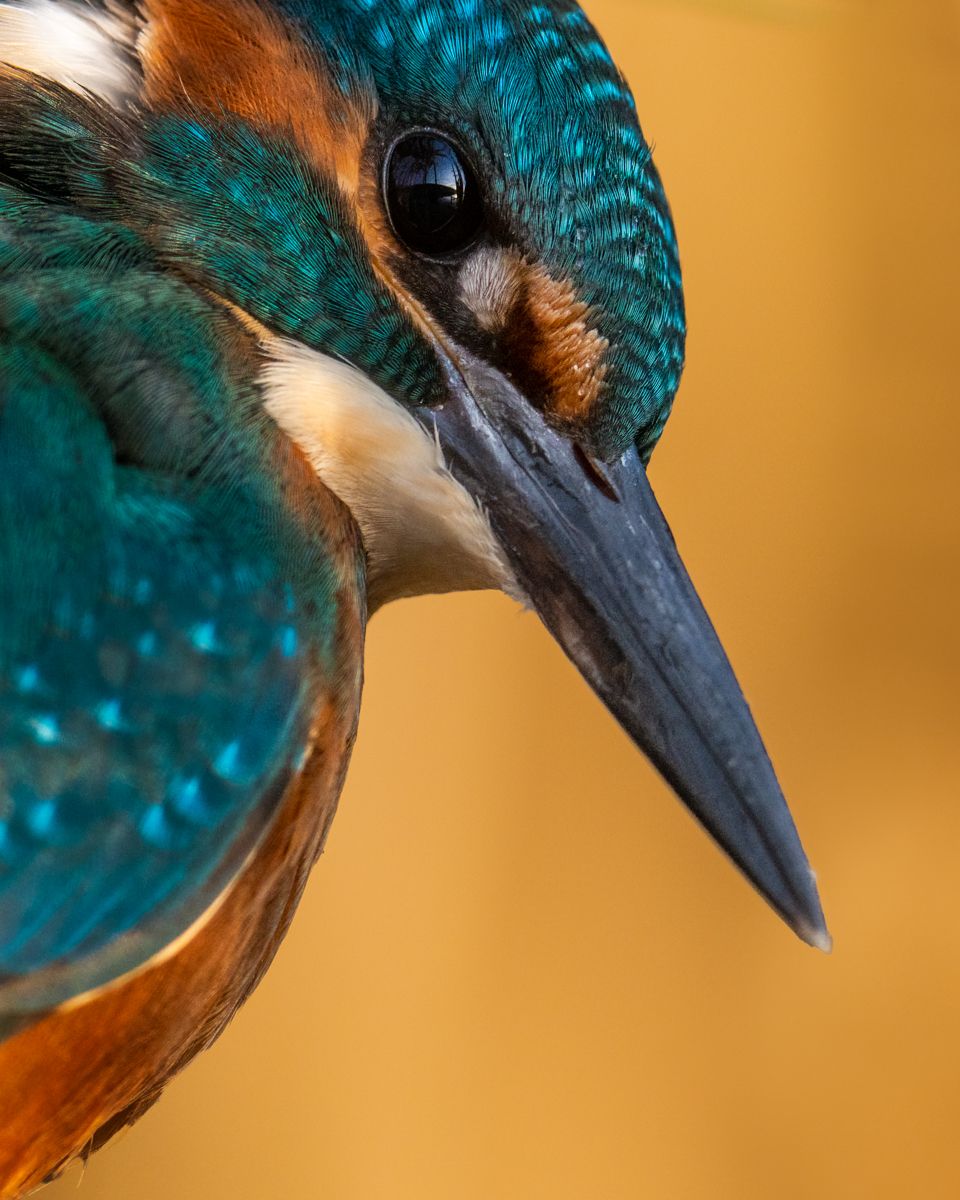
[[432, 196]]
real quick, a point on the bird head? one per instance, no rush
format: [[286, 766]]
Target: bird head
[[444, 223]]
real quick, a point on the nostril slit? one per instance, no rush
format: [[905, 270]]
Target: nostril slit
[[595, 473]]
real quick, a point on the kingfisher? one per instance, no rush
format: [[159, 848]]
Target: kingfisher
[[305, 306]]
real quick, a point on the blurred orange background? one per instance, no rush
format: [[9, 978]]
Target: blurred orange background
[[520, 971]]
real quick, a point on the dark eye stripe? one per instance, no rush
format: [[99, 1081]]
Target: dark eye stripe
[[432, 195]]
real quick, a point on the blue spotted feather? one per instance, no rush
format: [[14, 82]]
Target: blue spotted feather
[[166, 625]]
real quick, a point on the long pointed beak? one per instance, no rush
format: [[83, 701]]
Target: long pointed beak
[[594, 555]]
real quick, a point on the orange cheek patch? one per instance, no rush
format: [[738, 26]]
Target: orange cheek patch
[[552, 349], [233, 56]]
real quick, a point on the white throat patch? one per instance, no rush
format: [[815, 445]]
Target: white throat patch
[[69, 43], [421, 530]]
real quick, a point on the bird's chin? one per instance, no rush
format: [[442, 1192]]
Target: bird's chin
[[590, 549]]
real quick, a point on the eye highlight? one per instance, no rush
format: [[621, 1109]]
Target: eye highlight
[[431, 194]]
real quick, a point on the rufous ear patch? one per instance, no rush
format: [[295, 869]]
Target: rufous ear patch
[[552, 349]]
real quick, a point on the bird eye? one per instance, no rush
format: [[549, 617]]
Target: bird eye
[[432, 195]]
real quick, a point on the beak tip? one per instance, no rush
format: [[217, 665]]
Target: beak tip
[[819, 939], [814, 931]]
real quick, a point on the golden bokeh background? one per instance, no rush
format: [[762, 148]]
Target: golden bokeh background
[[520, 971]]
